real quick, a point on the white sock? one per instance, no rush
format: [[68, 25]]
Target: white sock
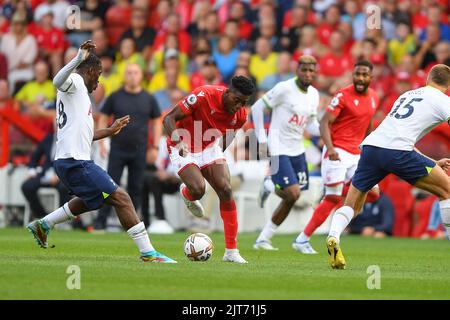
[[267, 232], [444, 205], [341, 219], [302, 237], [140, 237], [62, 214]]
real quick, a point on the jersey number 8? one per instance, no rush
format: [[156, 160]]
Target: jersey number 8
[[62, 116]]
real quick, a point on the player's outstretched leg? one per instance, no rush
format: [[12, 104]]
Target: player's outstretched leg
[[121, 201], [40, 229], [341, 219], [218, 176], [192, 189], [289, 196], [438, 183]]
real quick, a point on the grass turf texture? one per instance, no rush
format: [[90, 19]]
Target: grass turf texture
[[110, 269]]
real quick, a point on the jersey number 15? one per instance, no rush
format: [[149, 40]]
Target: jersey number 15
[[409, 107]]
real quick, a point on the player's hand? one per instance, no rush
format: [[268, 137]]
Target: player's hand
[[119, 124], [184, 150], [86, 47], [333, 155], [444, 164]]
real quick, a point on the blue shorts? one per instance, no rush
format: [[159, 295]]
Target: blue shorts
[[86, 180], [287, 171], [376, 163]]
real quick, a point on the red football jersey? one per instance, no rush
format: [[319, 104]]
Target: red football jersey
[[353, 113], [206, 120]]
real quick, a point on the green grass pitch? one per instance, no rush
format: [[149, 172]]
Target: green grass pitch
[[110, 269]]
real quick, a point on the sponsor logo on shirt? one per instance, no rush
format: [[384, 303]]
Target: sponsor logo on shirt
[[356, 102]]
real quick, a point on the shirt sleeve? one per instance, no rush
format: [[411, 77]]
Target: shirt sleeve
[[443, 106], [273, 97], [191, 102], [336, 104], [155, 111]]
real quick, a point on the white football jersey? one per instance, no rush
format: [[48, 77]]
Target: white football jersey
[[74, 120], [292, 110], [413, 115]]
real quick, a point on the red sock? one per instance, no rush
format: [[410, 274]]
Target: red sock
[[321, 213], [186, 194], [230, 225]]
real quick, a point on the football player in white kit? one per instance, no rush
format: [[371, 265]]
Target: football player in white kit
[[294, 104], [91, 185], [391, 149]]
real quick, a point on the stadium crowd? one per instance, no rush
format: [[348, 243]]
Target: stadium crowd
[[179, 45]]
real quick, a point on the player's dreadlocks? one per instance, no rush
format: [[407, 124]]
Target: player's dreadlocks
[[91, 61], [243, 85]]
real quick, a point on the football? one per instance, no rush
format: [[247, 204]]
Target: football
[[198, 247]]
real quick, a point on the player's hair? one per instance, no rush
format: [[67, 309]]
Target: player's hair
[[306, 59], [242, 84], [364, 63], [440, 75], [91, 61]]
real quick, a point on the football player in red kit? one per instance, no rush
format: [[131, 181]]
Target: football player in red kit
[[200, 128], [347, 121]]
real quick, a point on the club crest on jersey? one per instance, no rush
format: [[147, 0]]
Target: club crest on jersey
[[356, 102], [192, 99]]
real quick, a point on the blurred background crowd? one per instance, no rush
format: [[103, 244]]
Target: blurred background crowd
[[179, 45]]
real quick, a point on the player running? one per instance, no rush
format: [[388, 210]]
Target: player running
[[73, 165], [294, 104], [391, 149], [347, 121], [200, 127]]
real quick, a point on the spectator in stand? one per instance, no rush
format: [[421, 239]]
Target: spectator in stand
[[171, 61], [441, 52], [376, 219], [92, 14], [11, 7], [364, 50], [158, 17], [100, 38], [201, 52], [20, 49], [267, 29], [336, 63], [50, 41], [264, 62], [6, 100], [395, 12], [401, 85], [243, 60], [232, 30], [309, 44], [42, 175], [434, 14], [212, 28], [127, 54], [59, 9], [226, 55], [157, 62], [424, 54], [435, 229], [237, 12], [200, 11], [207, 75], [355, 18], [117, 20], [330, 24], [108, 82], [284, 72], [291, 33], [163, 96], [130, 147], [142, 35], [417, 76], [379, 38], [404, 43], [172, 27]]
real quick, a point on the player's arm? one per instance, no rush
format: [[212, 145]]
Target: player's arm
[[444, 163], [257, 110], [113, 129], [325, 123], [61, 80], [170, 125], [369, 128]]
